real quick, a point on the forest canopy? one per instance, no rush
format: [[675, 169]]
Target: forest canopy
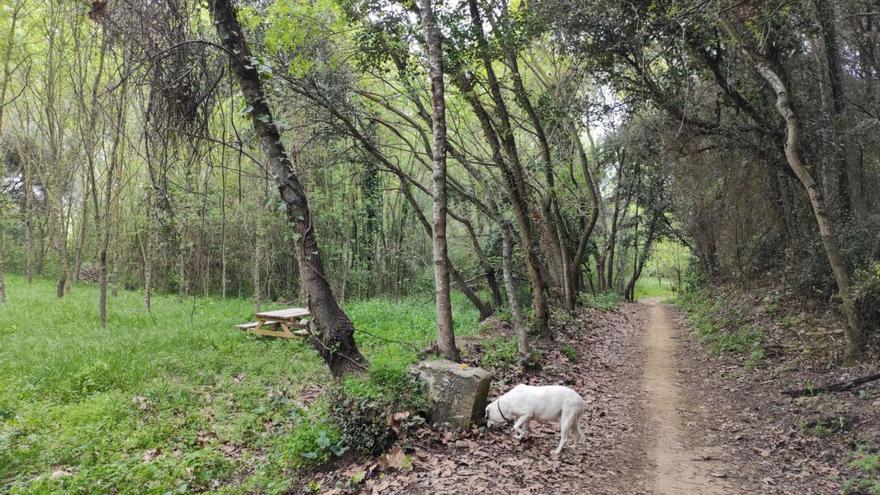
[[313, 151]]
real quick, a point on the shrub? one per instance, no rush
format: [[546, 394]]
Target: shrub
[[867, 291], [723, 334], [363, 408], [362, 422]]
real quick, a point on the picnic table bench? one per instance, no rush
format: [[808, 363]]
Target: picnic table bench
[[286, 323]]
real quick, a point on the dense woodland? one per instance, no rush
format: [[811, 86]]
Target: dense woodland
[[525, 154]]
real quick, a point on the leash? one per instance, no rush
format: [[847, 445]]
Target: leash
[[498, 403]]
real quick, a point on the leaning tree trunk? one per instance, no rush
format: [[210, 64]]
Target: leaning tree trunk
[[855, 338], [335, 339], [595, 198], [515, 177], [445, 333]]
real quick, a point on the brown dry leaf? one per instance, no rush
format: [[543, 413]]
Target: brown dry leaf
[[395, 459]]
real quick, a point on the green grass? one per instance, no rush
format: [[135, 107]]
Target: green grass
[[865, 460], [651, 287], [179, 402]]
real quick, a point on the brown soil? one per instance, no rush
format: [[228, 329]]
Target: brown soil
[[681, 462]]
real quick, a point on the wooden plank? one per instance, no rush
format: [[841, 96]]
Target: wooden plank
[[285, 334], [255, 324], [273, 333], [284, 314]]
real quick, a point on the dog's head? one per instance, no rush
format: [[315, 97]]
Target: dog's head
[[493, 416]]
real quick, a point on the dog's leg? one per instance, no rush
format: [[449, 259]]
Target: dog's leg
[[580, 431], [576, 430], [521, 427], [563, 436], [567, 425]]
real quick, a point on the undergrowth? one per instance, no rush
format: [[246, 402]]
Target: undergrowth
[[499, 353], [606, 301], [723, 332], [865, 460]]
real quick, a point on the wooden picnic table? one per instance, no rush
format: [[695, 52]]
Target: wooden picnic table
[[286, 323]]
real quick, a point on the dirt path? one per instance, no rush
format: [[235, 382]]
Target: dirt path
[[679, 463], [651, 428]]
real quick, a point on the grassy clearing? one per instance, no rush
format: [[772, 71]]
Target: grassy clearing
[[178, 402], [651, 287]]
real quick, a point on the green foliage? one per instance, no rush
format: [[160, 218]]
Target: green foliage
[[302, 30], [394, 332], [722, 335], [499, 353], [605, 301], [866, 461], [569, 352], [314, 441]]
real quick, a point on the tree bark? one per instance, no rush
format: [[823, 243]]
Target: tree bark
[[519, 325], [855, 338], [595, 199], [335, 336], [107, 200], [4, 84], [445, 331]]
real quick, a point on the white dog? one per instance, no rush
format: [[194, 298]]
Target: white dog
[[544, 404]]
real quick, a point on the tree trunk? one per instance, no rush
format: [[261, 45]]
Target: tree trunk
[[256, 279], [335, 337], [639, 262], [148, 248], [459, 281], [519, 325], [845, 149], [107, 200], [445, 332], [514, 177], [28, 227], [855, 338], [81, 238], [595, 200]]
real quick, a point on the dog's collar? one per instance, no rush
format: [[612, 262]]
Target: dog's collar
[[498, 404]]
